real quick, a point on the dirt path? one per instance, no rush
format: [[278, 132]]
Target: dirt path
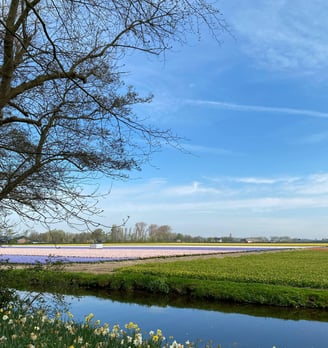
[[111, 266]]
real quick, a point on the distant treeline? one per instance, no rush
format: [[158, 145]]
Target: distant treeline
[[140, 232]]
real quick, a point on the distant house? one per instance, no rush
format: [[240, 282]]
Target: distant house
[[22, 240], [255, 240]]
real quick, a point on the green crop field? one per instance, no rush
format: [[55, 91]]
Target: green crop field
[[297, 278], [306, 268]]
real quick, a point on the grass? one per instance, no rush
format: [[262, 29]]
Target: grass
[[297, 278]]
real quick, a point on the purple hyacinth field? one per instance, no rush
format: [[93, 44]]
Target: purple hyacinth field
[[84, 254]]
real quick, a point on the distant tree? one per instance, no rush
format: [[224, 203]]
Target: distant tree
[[152, 229], [140, 231], [198, 239], [116, 234], [161, 233], [126, 236], [228, 239], [82, 237], [66, 115], [33, 236], [98, 234], [6, 235], [56, 236], [180, 237]]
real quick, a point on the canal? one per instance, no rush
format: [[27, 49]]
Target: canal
[[224, 325]]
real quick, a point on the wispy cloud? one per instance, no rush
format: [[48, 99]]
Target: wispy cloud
[[313, 185], [261, 181], [200, 149], [284, 35], [254, 205], [195, 188], [228, 193], [232, 199], [258, 108]]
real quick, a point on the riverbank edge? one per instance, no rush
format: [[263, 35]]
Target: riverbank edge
[[224, 291]]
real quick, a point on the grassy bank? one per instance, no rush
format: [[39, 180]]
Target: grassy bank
[[295, 278]]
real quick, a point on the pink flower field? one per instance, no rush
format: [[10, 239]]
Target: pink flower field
[[34, 254]]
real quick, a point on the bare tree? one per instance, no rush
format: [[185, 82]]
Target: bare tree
[[152, 230], [66, 115], [140, 231], [161, 233], [116, 234]]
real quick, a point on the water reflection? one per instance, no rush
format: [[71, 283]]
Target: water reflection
[[230, 325], [228, 328], [227, 325], [183, 302]]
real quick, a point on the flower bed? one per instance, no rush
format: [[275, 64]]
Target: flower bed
[[44, 254], [35, 259]]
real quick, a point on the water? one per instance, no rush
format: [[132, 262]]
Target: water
[[232, 326]]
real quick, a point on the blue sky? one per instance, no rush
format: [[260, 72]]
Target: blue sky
[[253, 112]]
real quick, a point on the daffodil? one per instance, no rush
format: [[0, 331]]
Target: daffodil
[[33, 336], [175, 344], [89, 317], [131, 326], [159, 332], [70, 315], [137, 339]]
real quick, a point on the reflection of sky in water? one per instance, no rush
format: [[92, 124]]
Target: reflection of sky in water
[[228, 329]]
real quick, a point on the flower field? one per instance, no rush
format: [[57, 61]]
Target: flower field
[[42, 254], [296, 278]]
